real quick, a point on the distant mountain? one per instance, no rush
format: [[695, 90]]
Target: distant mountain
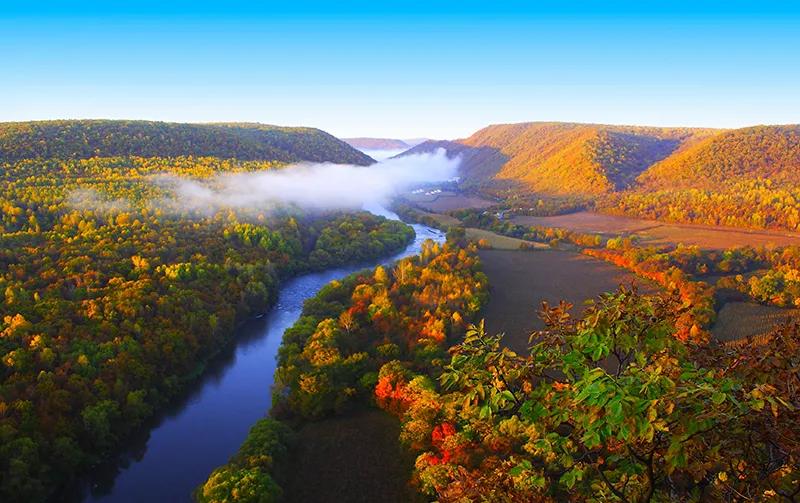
[[564, 158], [78, 139], [413, 142], [376, 143]]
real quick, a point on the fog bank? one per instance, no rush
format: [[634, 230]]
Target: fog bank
[[313, 186]]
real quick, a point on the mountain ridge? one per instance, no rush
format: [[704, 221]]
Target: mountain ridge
[[562, 158], [87, 138]]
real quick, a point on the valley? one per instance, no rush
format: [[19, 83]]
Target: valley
[[363, 347], [399, 252]]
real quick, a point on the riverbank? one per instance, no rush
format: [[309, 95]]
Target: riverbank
[[331, 368], [202, 427]]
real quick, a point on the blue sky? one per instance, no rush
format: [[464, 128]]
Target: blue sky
[[403, 69]]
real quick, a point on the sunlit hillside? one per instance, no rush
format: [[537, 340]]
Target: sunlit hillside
[[568, 158], [81, 139]]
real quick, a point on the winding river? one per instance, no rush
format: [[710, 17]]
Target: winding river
[[202, 429]]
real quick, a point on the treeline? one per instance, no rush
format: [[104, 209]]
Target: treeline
[[329, 360], [110, 302], [82, 139], [774, 279], [750, 203], [552, 236], [611, 406]]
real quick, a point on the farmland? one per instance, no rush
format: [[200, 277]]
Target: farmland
[[660, 233], [737, 320], [366, 441], [519, 282], [498, 242]]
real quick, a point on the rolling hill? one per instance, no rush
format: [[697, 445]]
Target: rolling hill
[[768, 152], [748, 177], [80, 139], [564, 158]]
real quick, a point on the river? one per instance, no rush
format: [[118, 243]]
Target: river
[[201, 430]]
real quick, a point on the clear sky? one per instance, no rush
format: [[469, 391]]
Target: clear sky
[[403, 69]]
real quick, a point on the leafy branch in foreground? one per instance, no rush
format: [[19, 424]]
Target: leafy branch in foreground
[[608, 407]]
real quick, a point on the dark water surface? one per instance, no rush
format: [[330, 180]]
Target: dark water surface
[[205, 427]]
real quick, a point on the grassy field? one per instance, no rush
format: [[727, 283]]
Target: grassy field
[[443, 219], [519, 281], [658, 233], [355, 458], [737, 320], [498, 242]]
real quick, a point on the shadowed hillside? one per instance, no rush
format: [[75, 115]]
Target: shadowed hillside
[[745, 178], [477, 163], [80, 139], [756, 152]]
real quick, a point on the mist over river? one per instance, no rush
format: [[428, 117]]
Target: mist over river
[[180, 447]]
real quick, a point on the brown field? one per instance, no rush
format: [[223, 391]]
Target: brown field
[[448, 201], [353, 458], [498, 242], [443, 219], [519, 282], [737, 320], [660, 233]]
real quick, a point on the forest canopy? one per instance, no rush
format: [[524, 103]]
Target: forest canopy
[[112, 301], [82, 139]]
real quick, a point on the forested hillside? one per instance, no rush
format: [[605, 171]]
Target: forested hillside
[[112, 299], [745, 178], [768, 152], [81, 139], [564, 158]]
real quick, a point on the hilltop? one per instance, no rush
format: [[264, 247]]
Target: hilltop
[[564, 158], [81, 139]]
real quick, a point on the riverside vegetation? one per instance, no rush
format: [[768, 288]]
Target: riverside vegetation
[[113, 298]]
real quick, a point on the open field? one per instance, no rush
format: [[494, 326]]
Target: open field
[[519, 281], [351, 459], [443, 219], [737, 320], [499, 242], [448, 201], [659, 233]]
